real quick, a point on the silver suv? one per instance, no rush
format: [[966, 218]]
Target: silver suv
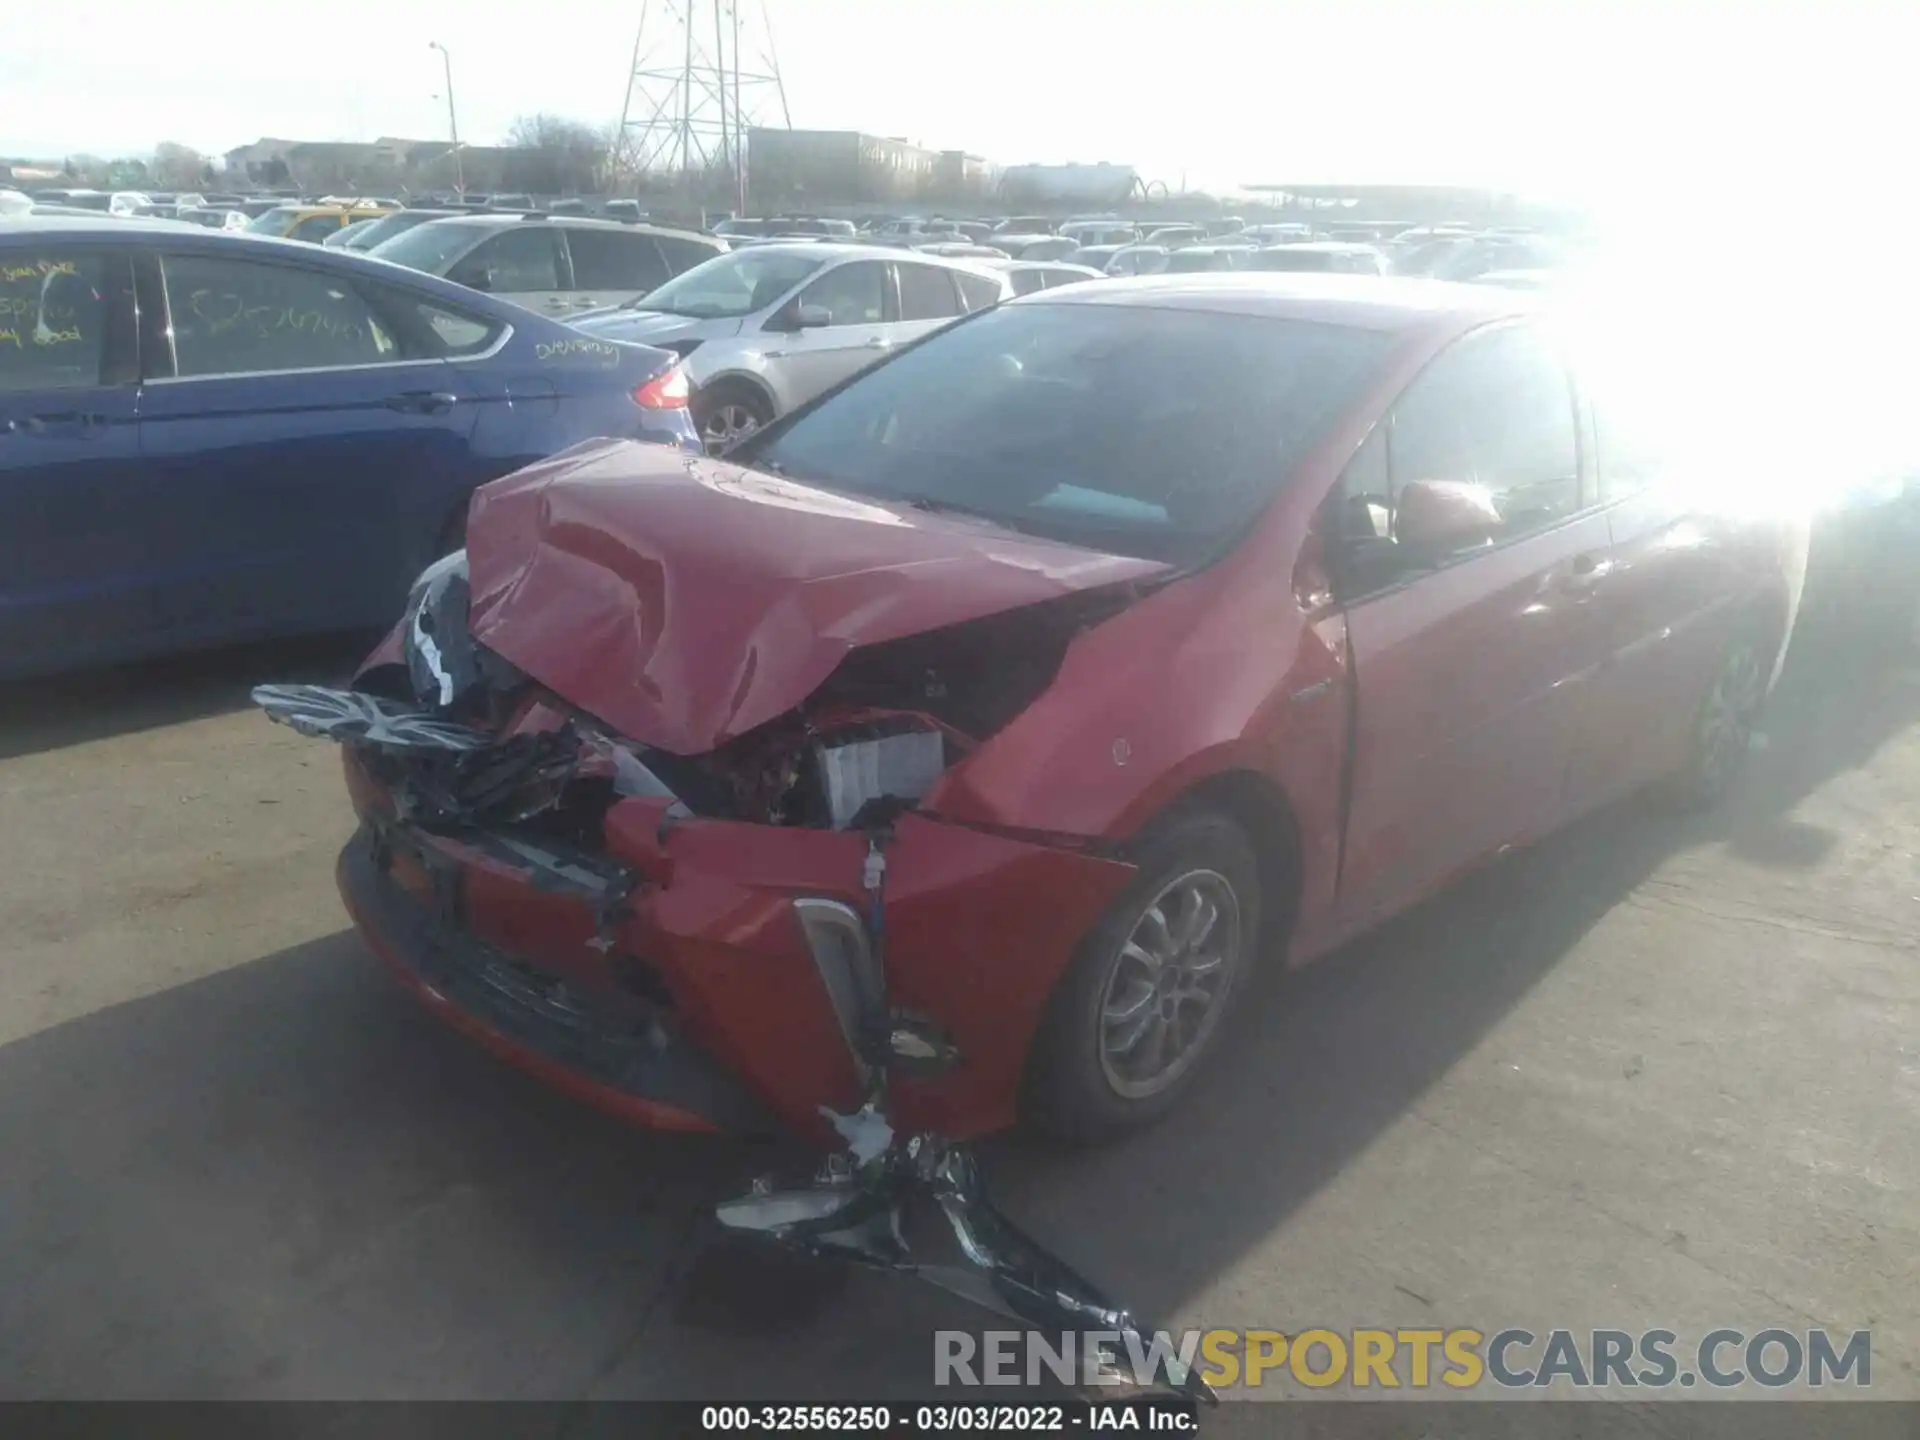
[[557, 266], [765, 328]]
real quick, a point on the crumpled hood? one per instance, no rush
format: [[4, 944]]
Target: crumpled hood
[[684, 601]]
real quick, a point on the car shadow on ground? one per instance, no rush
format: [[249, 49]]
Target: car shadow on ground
[[284, 1179], [61, 710]]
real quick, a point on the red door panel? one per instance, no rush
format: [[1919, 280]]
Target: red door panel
[[1469, 682]]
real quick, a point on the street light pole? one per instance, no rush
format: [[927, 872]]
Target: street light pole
[[453, 124]]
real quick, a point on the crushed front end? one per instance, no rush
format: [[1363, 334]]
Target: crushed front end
[[692, 942], [722, 903]]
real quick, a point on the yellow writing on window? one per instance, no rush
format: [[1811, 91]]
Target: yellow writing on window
[[218, 313], [36, 271]]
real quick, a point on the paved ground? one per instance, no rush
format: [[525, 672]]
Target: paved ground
[[1659, 1073]]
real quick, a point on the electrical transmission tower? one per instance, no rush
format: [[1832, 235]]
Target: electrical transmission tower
[[703, 74]]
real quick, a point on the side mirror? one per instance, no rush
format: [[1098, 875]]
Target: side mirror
[[803, 317], [1433, 517], [474, 277]]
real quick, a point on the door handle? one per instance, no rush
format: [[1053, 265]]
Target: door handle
[[64, 419], [422, 402], [1587, 571], [878, 344]]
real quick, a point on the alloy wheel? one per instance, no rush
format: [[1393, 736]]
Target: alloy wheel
[[1168, 984], [726, 426], [1727, 715]]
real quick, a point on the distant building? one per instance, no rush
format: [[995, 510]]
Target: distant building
[[1084, 187], [958, 176], [388, 165], [801, 169]]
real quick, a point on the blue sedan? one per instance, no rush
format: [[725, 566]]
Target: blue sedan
[[208, 437]]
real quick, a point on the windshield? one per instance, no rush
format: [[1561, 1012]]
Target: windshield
[[1284, 259], [277, 221], [1140, 431], [731, 285], [377, 232], [430, 247], [1189, 261]]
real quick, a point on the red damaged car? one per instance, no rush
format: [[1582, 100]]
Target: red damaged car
[[988, 720]]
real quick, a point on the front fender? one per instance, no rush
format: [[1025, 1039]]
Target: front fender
[[1204, 678]]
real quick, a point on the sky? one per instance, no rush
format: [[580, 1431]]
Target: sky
[[1565, 99]]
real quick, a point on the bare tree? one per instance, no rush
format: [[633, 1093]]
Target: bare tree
[[176, 166], [557, 156]]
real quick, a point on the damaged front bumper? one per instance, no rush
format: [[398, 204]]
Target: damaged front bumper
[[736, 952], [873, 988]]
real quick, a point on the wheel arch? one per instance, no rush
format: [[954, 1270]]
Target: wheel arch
[[1257, 804], [741, 380]]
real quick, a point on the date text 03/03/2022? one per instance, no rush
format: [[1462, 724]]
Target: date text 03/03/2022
[[1153, 1414]]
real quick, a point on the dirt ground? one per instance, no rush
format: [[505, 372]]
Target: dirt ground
[[1660, 1072]]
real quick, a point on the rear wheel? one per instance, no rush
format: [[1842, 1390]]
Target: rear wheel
[[727, 414], [1145, 1002]]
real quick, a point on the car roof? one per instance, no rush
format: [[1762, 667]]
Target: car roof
[[1329, 247], [573, 222], [1368, 302], [844, 250], [1044, 265], [76, 224]]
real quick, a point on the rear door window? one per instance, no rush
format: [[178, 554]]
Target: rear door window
[[615, 260], [53, 319], [426, 329], [238, 317], [977, 291], [515, 262], [927, 293]]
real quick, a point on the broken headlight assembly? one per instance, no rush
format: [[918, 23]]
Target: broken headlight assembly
[[446, 668], [874, 765], [433, 633]]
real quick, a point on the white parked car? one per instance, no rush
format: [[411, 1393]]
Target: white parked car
[[560, 266], [1027, 276], [764, 329]]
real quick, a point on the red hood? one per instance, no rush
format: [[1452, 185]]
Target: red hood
[[684, 601]]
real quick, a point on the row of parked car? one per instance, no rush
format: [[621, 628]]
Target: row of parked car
[[1112, 245], [448, 357]]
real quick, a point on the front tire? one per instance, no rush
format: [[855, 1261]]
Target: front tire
[[728, 413], [1728, 716], [1144, 1004]]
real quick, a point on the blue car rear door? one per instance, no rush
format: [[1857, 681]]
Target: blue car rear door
[[309, 436], [73, 583]]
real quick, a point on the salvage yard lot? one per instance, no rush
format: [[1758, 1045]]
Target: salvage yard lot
[[1659, 1072]]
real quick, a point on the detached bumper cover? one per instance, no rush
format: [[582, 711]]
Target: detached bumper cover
[[631, 1063]]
